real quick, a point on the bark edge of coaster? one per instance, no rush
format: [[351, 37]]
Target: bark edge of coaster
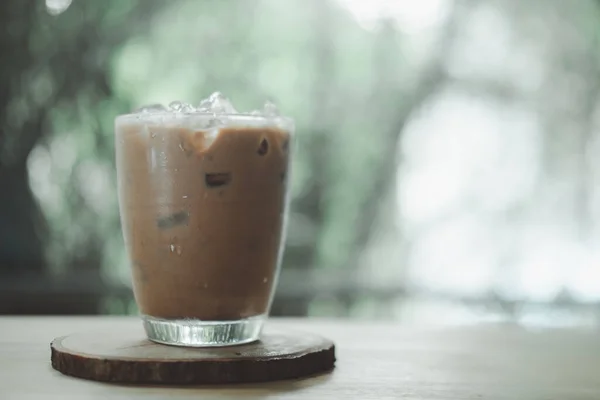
[[128, 357]]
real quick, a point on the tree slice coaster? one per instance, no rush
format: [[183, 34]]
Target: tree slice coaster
[[128, 357]]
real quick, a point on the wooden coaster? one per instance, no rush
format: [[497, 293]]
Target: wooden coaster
[[128, 357]]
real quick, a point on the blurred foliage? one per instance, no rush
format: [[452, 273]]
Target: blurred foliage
[[352, 91], [99, 59]]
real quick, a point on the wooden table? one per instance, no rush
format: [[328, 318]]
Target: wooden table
[[375, 361]]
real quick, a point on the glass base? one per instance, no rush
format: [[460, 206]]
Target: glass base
[[199, 333]]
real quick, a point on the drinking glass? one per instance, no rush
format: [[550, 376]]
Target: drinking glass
[[203, 204]]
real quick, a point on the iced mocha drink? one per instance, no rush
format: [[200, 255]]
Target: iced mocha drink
[[203, 200]]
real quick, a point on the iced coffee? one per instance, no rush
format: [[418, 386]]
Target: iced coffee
[[203, 195]]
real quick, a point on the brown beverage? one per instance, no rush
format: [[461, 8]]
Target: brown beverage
[[203, 214]]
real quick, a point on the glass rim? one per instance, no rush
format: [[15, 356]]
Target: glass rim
[[225, 118]]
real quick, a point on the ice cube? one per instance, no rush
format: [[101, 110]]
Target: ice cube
[[151, 108], [187, 108], [270, 110], [217, 103], [216, 106], [175, 106], [181, 107], [204, 106]]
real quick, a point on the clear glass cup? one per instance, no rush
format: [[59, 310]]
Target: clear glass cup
[[203, 204]]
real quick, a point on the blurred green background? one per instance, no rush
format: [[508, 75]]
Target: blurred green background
[[446, 157]]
